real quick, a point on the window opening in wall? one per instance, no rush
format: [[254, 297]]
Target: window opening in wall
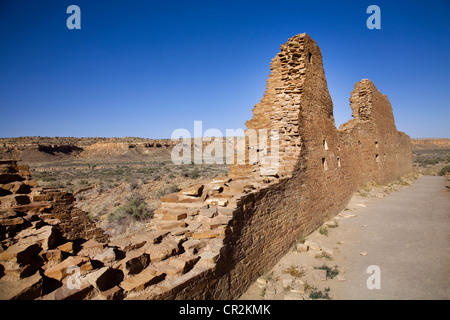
[[339, 162], [309, 57], [324, 163], [376, 144], [377, 158], [325, 145]]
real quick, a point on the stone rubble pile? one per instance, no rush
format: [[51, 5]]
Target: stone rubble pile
[[50, 250]]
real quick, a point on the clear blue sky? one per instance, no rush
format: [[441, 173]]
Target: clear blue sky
[[145, 68]]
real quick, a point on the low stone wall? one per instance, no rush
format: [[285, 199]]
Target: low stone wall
[[22, 201]]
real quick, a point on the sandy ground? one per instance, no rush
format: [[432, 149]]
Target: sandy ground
[[403, 231]]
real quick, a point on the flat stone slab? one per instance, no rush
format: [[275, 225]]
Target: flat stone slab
[[24, 289], [84, 291], [193, 191], [20, 252], [210, 256], [171, 198], [142, 280], [60, 271], [168, 225], [207, 234], [327, 250], [164, 250], [149, 236], [115, 293], [16, 270], [179, 265], [218, 202], [134, 262], [11, 221], [192, 244], [208, 213], [46, 236], [178, 231], [174, 216], [108, 255], [67, 247], [312, 245], [346, 215], [104, 278], [319, 275], [91, 248]]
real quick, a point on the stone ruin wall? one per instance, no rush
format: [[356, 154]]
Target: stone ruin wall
[[320, 167], [212, 240], [23, 202]]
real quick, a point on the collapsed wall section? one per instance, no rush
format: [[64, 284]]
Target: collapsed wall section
[[23, 202]]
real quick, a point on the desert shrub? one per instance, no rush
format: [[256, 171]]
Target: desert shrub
[[317, 294], [194, 173], [55, 184], [80, 197], [323, 255], [107, 185], [445, 171], [294, 271], [135, 209], [132, 185], [100, 188], [331, 272], [83, 182], [156, 176], [323, 231], [170, 189], [335, 225], [48, 179], [90, 216]]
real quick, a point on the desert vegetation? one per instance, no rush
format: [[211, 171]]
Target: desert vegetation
[[121, 196], [75, 175], [432, 161]]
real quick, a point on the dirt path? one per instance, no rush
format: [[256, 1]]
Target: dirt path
[[405, 233]]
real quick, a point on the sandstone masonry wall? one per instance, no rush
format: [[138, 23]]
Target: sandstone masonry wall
[[23, 202], [320, 167]]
